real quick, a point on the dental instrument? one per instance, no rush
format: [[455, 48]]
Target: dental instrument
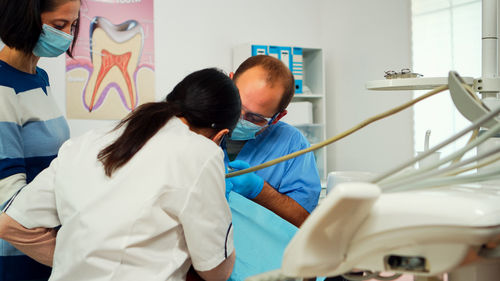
[[471, 145]]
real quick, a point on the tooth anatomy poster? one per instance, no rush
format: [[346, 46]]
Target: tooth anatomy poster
[[112, 69]]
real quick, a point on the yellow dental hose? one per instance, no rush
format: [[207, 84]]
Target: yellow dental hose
[[339, 136]]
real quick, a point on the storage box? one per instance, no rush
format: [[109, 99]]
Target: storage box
[[299, 113]]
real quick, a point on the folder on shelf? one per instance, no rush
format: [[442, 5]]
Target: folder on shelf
[[259, 50], [286, 56], [297, 68], [299, 113], [274, 51]]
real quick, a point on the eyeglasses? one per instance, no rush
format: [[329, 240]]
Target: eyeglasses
[[405, 73], [256, 118]]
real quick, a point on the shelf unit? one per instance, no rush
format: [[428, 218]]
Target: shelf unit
[[313, 127]]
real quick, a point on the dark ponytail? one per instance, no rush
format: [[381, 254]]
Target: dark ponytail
[[142, 124], [206, 99]]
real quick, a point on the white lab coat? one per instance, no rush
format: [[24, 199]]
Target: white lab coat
[[162, 211]]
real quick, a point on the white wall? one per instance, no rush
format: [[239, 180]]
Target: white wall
[[361, 39], [192, 34]]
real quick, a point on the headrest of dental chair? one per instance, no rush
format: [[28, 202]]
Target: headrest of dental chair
[[317, 249]]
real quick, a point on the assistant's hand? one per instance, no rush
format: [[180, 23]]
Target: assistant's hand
[[248, 185]]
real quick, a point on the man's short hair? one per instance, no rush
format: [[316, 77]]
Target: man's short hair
[[277, 72], [21, 23]]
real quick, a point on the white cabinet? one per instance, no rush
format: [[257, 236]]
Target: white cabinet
[[307, 110]]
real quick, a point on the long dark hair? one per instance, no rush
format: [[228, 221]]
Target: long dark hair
[[207, 98]]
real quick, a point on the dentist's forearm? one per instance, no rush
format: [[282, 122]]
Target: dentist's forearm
[[282, 205]]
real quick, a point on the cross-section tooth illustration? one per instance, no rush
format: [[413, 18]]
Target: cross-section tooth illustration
[[115, 51]]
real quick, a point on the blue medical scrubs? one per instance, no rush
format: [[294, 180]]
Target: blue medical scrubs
[[298, 177]]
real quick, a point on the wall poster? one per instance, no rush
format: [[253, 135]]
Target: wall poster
[[113, 67]]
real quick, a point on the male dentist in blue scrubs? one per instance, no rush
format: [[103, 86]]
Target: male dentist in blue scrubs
[[290, 189]]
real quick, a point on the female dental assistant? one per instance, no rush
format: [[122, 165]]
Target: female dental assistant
[[142, 202], [31, 126]]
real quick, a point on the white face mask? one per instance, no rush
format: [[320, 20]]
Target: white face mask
[[245, 130]]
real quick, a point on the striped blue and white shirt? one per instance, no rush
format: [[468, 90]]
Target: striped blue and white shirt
[[32, 128]]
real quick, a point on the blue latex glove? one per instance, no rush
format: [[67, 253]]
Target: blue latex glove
[[248, 185]]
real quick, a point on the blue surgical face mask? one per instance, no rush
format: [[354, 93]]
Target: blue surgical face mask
[[245, 130], [52, 42]]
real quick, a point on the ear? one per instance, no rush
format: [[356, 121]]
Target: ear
[[220, 134], [231, 75], [280, 115]]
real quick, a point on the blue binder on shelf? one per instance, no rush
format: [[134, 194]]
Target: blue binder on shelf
[[274, 51], [297, 68], [259, 50], [286, 56]]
